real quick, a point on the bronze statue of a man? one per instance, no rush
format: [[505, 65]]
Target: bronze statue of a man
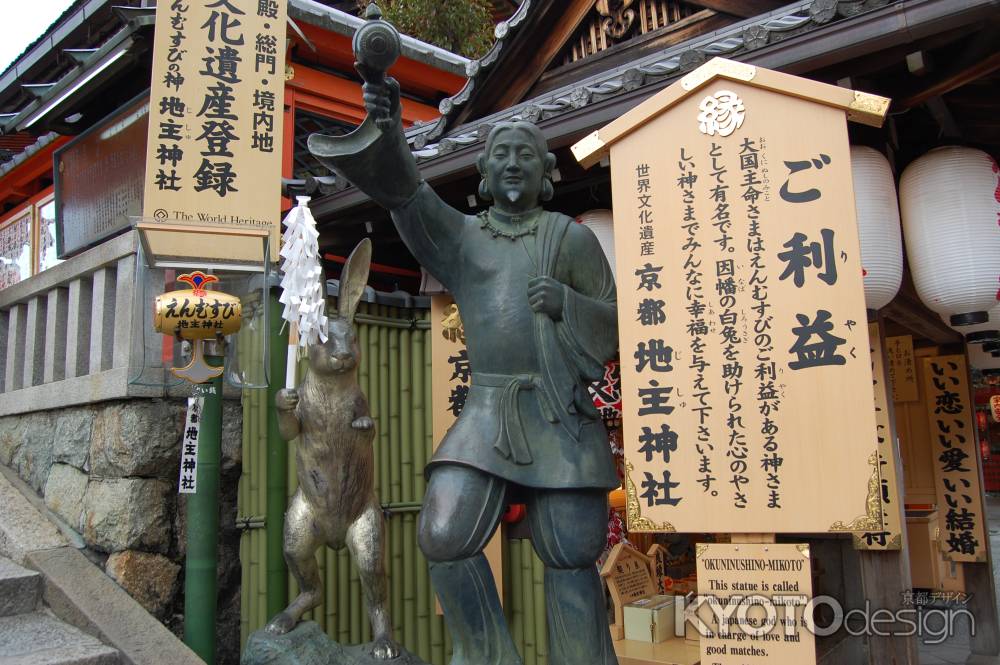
[[537, 299]]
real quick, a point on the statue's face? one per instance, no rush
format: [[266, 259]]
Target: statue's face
[[514, 171]]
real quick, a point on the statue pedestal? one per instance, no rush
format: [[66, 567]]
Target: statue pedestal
[[306, 644]]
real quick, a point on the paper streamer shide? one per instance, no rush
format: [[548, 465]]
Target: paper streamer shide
[[302, 284]]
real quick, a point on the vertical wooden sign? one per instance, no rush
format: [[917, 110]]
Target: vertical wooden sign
[[741, 308], [215, 112], [890, 536], [956, 458], [902, 368]]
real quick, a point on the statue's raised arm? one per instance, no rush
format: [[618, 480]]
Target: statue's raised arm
[[376, 158]]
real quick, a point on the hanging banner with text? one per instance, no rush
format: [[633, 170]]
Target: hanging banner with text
[[902, 371], [757, 599], [956, 458], [741, 315], [890, 536], [213, 151]]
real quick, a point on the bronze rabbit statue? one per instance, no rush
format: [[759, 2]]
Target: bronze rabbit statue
[[335, 503]]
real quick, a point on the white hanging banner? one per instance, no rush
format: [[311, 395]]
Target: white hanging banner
[[187, 483]]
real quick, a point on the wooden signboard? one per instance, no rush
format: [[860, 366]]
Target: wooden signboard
[[741, 306], [451, 378], [629, 575], [756, 632], [956, 458], [213, 151], [890, 536], [902, 368]]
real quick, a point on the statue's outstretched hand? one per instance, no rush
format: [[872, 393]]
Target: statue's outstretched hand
[[546, 295], [381, 95]]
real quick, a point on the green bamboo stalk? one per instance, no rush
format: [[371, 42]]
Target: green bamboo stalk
[[514, 602], [425, 599], [528, 598], [330, 591], [343, 598], [405, 398], [396, 573], [382, 345], [541, 634], [359, 615], [260, 493], [410, 627], [420, 401], [395, 449]]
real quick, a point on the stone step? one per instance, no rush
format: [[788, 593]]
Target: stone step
[[36, 638], [20, 588]]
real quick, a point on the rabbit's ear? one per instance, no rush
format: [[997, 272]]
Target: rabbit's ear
[[354, 278]]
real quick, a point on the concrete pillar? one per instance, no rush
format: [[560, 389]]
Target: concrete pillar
[[55, 335], [34, 342], [102, 322], [14, 372], [4, 337], [78, 327], [125, 325]]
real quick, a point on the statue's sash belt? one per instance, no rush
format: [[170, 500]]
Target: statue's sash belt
[[511, 441]]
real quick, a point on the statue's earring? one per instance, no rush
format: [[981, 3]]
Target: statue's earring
[[548, 190], [484, 191]]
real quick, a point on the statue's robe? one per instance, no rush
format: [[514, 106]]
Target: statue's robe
[[528, 417]]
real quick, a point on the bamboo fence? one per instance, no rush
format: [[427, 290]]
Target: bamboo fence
[[395, 375]]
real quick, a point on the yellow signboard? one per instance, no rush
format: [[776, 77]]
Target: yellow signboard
[[890, 536], [213, 152], [747, 384], [956, 458], [758, 597]]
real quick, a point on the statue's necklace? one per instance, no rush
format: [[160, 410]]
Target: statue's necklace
[[527, 224]]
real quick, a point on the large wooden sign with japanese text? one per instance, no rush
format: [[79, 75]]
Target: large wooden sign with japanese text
[[215, 115], [758, 597], [956, 458], [890, 535], [747, 382]]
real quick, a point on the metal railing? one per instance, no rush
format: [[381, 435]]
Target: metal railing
[[73, 335]]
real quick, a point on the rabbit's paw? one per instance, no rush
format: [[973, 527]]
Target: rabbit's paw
[[384, 649], [280, 624], [363, 423], [286, 399]]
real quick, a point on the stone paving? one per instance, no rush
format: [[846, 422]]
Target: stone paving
[[955, 650]]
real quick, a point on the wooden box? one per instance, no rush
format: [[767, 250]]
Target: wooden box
[[650, 619]]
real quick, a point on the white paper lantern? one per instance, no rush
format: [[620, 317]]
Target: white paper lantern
[[878, 225], [600, 222], [950, 212]]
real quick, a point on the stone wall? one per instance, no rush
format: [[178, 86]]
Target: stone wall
[[109, 470]]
